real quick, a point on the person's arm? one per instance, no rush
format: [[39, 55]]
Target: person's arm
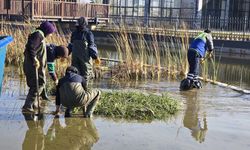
[[70, 48], [70, 45], [34, 41], [210, 44], [73, 36], [51, 70], [91, 45], [51, 62]]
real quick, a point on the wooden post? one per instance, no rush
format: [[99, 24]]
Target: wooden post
[[32, 9], [62, 12], [23, 9], [87, 10], [7, 6]]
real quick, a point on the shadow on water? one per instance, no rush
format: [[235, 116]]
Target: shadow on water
[[73, 134]]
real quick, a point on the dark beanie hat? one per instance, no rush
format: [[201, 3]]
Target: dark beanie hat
[[62, 51], [47, 27], [81, 22], [72, 69]]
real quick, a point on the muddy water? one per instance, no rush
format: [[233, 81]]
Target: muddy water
[[212, 118]]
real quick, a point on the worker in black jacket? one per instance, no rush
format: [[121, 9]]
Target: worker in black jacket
[[83, 49]]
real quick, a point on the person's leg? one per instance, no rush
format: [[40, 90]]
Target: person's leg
[[192, 64], [68, 113], [29, 71], [196, 83], [89, 107], [44, 94], [28, 105]]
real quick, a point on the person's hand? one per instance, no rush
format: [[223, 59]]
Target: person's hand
[[97, 61], [202, 60], [210, 54], [36, 63]]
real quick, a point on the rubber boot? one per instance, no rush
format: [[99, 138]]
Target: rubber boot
[[91, 106], [28, 106], [197, 84]]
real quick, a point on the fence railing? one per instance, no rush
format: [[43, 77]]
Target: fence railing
[[218, 35], [45, 9], [190, 22]]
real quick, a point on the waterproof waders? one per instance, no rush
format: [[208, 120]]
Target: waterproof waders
[[30, 73]]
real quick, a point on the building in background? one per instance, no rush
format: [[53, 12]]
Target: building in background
[[232, 15], [194, 14]]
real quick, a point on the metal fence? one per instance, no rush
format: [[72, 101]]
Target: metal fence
[[215, 23]]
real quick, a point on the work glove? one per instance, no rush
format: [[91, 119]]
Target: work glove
[[97, 61], [36, 63]]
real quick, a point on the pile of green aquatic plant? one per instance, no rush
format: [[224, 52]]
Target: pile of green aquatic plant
[[136, 106]]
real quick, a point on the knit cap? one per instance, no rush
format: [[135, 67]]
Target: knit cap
[[47, 27]]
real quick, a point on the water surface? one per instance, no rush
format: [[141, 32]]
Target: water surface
[[212, 118]]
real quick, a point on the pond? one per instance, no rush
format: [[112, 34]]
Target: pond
[[212, 118]]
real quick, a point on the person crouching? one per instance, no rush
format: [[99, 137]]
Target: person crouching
[[71, 92]]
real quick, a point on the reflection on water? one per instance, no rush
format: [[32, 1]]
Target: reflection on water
[[226, 113], [75, 134], [235, 74], [193, 119], [34, 138]]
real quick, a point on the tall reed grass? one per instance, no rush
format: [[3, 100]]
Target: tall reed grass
[[20, 34], [143, 54], [150, 56]]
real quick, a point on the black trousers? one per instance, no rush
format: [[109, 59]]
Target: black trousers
[[194, 62]]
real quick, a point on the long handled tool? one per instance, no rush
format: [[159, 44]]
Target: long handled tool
[[37, 93]]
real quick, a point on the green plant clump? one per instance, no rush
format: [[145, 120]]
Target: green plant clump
[[136, 106]]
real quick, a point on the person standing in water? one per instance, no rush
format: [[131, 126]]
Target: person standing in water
[[35, 59]]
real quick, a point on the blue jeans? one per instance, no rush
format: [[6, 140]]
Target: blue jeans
[[194, 62]]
